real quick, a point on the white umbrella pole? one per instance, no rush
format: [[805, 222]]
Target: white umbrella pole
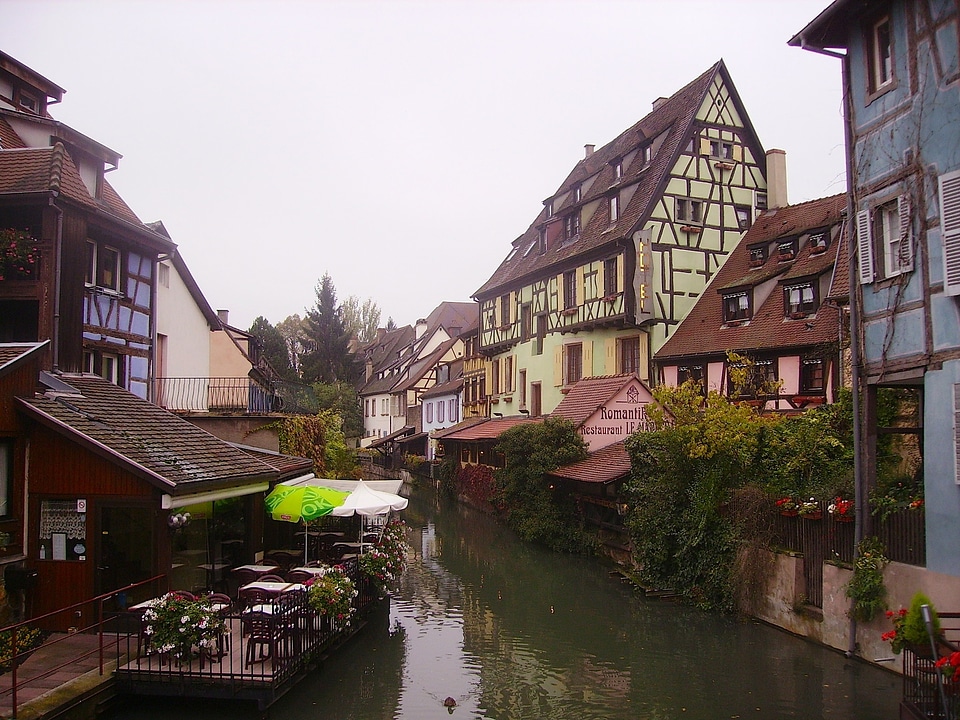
[[306, 542]]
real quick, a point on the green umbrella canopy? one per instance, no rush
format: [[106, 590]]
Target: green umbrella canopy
[[294, 503]]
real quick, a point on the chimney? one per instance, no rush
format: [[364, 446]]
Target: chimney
[[776, 178], [368, 369], [659, 101], [421, 328], [224, 316], [588, 150]]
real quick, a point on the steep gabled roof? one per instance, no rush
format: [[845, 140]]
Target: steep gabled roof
[[589, 395], [453, 317], [703, 331], [475, 429], [605, 465], [669, 126], [14, 354], [172, 454]]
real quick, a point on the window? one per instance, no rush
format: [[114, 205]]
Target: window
[[614, 208], [576, 194], [383, 406], [760, 200], [440, 411], [504, 310], [647, 154], [571, 225], [110, 368], [495, 377], [541, 329], [811, 375], [893, 234], [786, 250], [535, 393], [744, 217], [736, 307], [689, 210], [90, 274], [429, 410], [818, 242], [549, 208], [758, 256], [628, 355], [800, 300], [508, 374], [102, 266], [572, 363], [526, 322], [618, 169], [722, 150], [590, 289], [686, 373], [569, 289], [759, 378], [28, 101], [610, 284], [880, 60], [949, 186], [523, 389], [542, 241]]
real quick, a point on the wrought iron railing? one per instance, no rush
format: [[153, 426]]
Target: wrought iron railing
[[233, 395], [925, 695]]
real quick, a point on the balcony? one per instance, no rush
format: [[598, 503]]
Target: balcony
[[233, 396]]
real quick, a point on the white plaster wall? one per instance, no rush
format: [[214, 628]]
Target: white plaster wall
[[188, 335]]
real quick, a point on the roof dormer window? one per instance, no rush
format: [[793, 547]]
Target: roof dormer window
[[818, 243], [736, 307], [28, 101], [571, 225], [786, 250], [618, 169], [758, 256], [800, 300], [549, 204], [576, 194]]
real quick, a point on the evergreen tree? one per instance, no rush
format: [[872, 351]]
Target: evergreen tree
[[272, 347], [326, 357]]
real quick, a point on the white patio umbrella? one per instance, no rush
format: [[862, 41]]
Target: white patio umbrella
[[366, 501]]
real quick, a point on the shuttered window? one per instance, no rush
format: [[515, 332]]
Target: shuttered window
[[950, 231]]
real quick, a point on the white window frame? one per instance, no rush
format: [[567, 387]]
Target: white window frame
[[882, 66]]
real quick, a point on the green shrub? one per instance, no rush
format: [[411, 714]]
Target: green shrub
[[27, 639], [914, 629], [866, 587]]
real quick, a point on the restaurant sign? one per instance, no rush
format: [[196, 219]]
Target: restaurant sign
[[624, 414]]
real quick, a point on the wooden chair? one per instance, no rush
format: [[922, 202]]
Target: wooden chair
[[223, 606], [299, 576], [271, 578], [245, 575], [260, 631], [183, 594], [253, 596]]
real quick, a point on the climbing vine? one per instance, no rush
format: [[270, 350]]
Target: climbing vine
[[320, 438]]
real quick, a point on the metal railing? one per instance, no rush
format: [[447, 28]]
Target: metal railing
[[233, 395], [923, 697], [61, 629]]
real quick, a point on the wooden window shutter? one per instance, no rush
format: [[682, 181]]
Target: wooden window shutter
[[587, 358], [488, 376], [704, 146], [738, 152], [620, 284], [497, 319], [950, 231], [580, 291], [514, 298], [610, 357], [602, 280], [905, 261], [558, 365], [864, 247], [560, 298]]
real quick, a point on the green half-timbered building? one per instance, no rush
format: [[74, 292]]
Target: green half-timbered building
[[623, 249]]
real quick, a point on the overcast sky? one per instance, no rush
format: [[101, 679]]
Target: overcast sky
[[399, 146]]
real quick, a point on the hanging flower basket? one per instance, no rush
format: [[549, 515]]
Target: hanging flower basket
[[810, 510]]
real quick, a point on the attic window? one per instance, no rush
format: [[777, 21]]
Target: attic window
[[571, 225], [576, 194], [799, 300], [758, 256], [786, 250], [549, 208], [736, 307], [542, 241], [818, 243], [761, 201], [618, 170], [28, 102], [647, 154], [614, 208], [722, 150]]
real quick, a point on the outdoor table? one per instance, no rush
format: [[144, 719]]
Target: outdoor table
[[145, 605], [274, 588], [351, 545], [258, 569], [315, 571]]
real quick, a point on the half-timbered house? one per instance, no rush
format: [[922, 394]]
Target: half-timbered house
[[84, 271], [623, 248], [778, 305]]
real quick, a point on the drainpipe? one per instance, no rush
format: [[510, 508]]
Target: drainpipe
[[860, 493], [56, 280]]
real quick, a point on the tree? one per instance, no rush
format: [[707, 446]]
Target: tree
[[292, 331], [326, 356], [272, 347], [360, 321], [391, 325], [540, 511], [342, 398], [320, 438]]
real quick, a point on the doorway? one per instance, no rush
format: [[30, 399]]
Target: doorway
[[125, 550]]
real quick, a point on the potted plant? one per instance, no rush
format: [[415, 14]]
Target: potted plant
[[842, 510], [810, 510], [788, 506], [384, 563], [332, 594], [181, 626], [909, 629]]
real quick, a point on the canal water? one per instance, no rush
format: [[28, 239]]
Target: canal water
[[513, 632]]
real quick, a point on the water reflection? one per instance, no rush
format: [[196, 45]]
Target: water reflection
[[512, 633]]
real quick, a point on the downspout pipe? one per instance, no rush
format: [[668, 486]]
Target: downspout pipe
[[57, 282], [860, 490]]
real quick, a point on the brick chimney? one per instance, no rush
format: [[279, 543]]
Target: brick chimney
[[224, 316], [776, 179], [588, 150]]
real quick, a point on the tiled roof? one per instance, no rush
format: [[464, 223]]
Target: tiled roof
[[703, 332], [421, 367], [12, 353], [485, 429], [36, 170], [454, 317], [8, 136], [150, 442], [448, 388], [288, 466], [405, 430], [589, 395], [673, 118], [605, 465]]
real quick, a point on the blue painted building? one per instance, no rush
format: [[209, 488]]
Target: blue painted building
[[901, 65]]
